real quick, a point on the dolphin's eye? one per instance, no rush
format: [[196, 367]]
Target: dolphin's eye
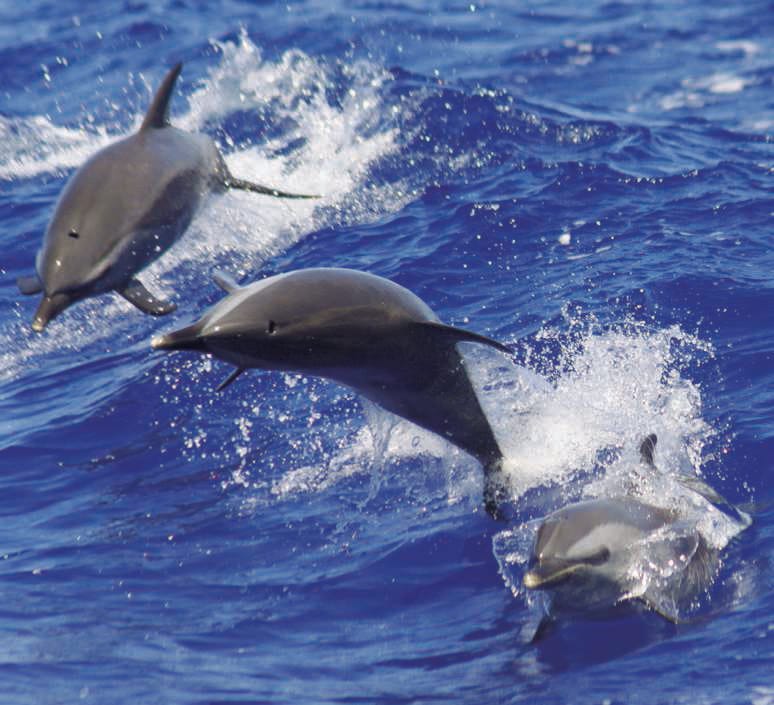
[[74, 234], [271, 329]]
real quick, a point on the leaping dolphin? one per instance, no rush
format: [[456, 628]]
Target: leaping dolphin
[[125, 207], [362, 331], [589, 555]]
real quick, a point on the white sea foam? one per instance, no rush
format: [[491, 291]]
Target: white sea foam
[[762, 694], [616, 386], [35, 145], [746, 46], [695, 92], [723, 83]]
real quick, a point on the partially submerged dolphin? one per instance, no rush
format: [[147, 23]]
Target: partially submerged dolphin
[[362, 331], [125, 207], [595, 554]]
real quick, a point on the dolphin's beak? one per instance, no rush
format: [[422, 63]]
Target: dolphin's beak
[[532, 580], [50, 307], [187, 338]]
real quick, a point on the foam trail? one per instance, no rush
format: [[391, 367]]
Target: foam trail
[[34, 146]]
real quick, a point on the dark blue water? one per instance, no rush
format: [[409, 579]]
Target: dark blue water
[[591, 182]]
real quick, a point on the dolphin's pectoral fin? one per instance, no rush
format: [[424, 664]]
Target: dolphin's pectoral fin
[[226, 382], [225, 282], [30, 284], [544, 628], [459, 335], [242, 185], [158, 112], [661, 608], [678, 551], [137, 295]]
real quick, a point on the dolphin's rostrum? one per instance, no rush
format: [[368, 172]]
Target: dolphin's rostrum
[[362, 331], [125, 207]]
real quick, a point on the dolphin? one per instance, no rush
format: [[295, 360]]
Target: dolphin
[[362, 331], [125, 207], [589, 556]]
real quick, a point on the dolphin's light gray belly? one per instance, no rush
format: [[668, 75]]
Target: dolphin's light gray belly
[[128, 204]]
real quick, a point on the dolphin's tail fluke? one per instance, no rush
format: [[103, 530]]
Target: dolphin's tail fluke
[[50, 307], [187, 338], [242, 185]]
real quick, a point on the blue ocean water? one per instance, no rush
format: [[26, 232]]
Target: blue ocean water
[[590, 182]]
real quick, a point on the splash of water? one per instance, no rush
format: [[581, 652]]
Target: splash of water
[[612, 388]]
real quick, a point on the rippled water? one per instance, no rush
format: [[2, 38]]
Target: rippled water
[[589, 182]]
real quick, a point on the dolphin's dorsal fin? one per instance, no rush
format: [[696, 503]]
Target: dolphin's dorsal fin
[[225, 282], [459, 335], [158, 113], [647, 448]]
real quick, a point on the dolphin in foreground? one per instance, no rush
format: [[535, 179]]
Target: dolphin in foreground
[[593, 555], [362, 331], [125, 207]]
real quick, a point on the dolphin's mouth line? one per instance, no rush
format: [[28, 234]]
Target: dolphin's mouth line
[[536, 578], [187, 338], [533, 580]]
